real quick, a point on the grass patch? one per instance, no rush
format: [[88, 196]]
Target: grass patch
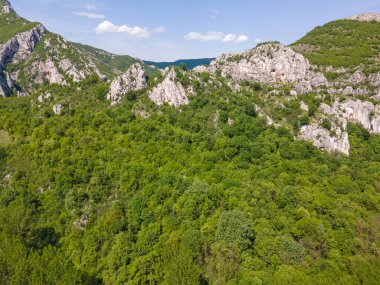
[[5, 139]]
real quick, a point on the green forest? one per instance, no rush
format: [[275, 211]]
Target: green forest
[[203, 194]]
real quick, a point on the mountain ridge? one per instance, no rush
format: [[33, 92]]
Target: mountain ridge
[[261, 168]]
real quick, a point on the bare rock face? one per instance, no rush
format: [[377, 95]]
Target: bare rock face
[[69, 68], [322, 138], [6, 8], [374, 79], [340, 113], [366, 17], [169, 91], [47, 70], [133, 79], [18, 48], [362, 112], [21, 45], [270, 63], [57, 109]]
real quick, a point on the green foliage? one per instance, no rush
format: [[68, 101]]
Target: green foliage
[[11, 24], [207, 195], [343, 43], [234, 229], [326, 124]]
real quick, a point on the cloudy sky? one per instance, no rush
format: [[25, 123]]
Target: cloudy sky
[[177, 29]]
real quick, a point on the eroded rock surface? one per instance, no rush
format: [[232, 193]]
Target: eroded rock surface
[[324, 139], [269, 63], [133, 79], [169, 91], [6, 8], [366, 17]]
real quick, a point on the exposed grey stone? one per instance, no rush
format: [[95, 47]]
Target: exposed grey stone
[[44, 97], [47, 70], [304, 107], [169, 91], [133, 79], [6, 8], [322, 138], [57, 109], [366, 17], [267, 64]]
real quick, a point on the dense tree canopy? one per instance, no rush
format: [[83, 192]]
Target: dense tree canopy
[[209, 194]]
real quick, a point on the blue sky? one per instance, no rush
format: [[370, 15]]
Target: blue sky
[[177, 29]]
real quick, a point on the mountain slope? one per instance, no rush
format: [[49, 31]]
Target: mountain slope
[[217, 175], [344, 43], [111, 64]]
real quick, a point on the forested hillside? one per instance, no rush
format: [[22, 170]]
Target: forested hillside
[[261, 168], [99, 195]]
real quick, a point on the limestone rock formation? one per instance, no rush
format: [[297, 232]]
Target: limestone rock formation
[[6, 8], [47, 70], [366, 17], [269, 63], [169, 91], [323, 139], [69, 68], [340, 113], [21, 45], [356, 111], [133, 79], [57, 109], [17, 49]]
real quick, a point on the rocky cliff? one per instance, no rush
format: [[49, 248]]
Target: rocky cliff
[[133, 79], [170, 91], [6, 7], [268, 63], [17, 49]]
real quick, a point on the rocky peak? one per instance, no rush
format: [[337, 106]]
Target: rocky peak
[[170, 91], [6, 7], [368, 17], [133, 79], [269, 63]]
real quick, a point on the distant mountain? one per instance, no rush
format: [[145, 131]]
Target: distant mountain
[[190, 63]]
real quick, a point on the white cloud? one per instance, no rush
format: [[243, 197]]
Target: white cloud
[[242, 38], [230, 38], [90, 15], [159, 29], [210, 36], [91, 7], [215, 36], [108, 27]]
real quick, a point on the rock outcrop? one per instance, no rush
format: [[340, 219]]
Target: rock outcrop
[[21, 45], [356, 111], [169, 91], [133, 79], [269, 63], [47, 70], [57, 109], [324, 140], [368, 17], [339, 114], [6, 8], [17, 49]]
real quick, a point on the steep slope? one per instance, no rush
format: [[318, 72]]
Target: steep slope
[[348, 52], [111, 64], [268, 63]]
